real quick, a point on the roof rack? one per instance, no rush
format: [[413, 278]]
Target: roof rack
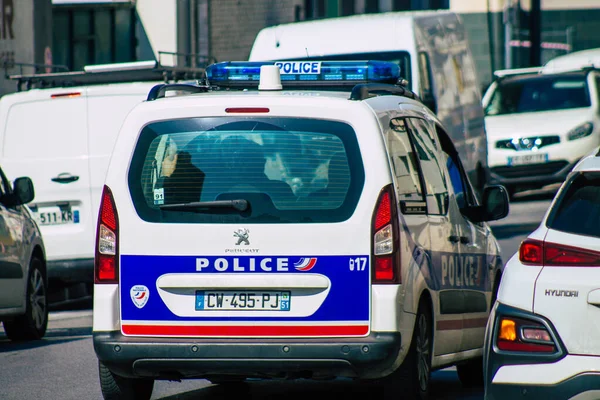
[[366, 91], [109, 73], [160, 91]]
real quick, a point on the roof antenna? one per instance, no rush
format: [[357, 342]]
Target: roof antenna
[[306, 48]]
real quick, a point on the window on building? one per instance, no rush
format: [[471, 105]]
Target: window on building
[[314, 9], [371, 6], [347, 7], [98, 35], [402, 5]]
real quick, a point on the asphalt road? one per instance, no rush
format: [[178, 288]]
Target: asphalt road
[[63, 365]]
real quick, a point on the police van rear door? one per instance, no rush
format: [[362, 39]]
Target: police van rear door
[[246, 226]]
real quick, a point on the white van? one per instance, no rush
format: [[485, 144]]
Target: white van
[[287, 233], [62, 137], [431, 48], [585, 59]]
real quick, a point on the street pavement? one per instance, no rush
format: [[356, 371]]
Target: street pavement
[[63, 365]]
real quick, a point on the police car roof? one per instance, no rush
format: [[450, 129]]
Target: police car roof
[[252, 98]]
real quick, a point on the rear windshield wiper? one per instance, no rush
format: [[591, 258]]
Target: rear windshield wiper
[[240, 205]]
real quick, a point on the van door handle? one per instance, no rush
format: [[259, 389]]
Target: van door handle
[[65, 177], [454, 238], [465, 240]]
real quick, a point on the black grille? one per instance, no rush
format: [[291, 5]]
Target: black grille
[[528, 143], [520, 171]]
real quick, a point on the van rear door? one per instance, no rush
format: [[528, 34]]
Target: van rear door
[[46, 139], [279, 245]]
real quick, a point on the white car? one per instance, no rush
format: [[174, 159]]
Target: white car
[[321, 226], [542, 337], [539, 125], [23, 275]]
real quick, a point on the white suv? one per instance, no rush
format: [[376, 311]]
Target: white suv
[[286, 233], [542, 338], [540, 124]]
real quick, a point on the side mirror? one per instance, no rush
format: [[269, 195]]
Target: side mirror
[[494, 205], [23, 191]]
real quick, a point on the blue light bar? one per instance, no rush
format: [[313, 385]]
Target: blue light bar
[[246, 74]]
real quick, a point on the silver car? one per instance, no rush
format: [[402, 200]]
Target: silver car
[[23, 281]]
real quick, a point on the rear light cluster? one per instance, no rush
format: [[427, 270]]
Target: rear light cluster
[[521, 335], [535, 252], [385, 239], [107, 245]]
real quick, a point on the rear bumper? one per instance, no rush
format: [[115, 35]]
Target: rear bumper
[[535, 375], [580, 387], [178, 358], [71, 271]]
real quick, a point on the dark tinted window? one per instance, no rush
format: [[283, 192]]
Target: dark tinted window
[[289, 170], [539, 93], [435, 185], [403, 159], [577, 210]]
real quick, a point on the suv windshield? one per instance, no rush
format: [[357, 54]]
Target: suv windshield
[[577, 211], [536, 93], [224, 169]]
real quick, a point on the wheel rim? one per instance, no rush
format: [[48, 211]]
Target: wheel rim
[[422, 347], [37, 299]]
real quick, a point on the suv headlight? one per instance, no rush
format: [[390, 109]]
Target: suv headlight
[[581, 131]]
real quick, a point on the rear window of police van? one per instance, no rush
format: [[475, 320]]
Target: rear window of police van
[[287, 170]]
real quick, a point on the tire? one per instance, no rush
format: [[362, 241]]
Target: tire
[[411, 379], [470, 373], [115, 387], [33, 324]]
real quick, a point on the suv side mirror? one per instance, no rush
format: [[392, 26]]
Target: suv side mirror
[[23, 191], [494, 205]]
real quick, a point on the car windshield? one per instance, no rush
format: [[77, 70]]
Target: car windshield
[[251, 170], [539, 93], [577, 211]]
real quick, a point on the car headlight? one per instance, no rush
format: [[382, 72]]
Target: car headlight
[[581, 131]]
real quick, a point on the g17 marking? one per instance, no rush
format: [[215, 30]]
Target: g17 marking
[[358, 264]]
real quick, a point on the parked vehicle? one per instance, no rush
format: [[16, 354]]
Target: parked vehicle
[[542, 337], [61, 135], [539, 125], [432, 50], [291, 233], [23, 274]]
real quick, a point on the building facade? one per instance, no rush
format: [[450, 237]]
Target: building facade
[[25, 39], [198, 32]]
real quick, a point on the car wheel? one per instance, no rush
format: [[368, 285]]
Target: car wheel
[[31, 325], [470, 373], [115, 387], [411, 380]]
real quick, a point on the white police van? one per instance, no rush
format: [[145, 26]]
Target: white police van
[[320, 226]]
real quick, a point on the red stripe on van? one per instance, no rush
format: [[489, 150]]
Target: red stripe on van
[[178, 330]]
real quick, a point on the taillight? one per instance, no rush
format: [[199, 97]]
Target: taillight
[[106, 268], [535, 252], [531, 252], [521, 335], [386, 265]]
